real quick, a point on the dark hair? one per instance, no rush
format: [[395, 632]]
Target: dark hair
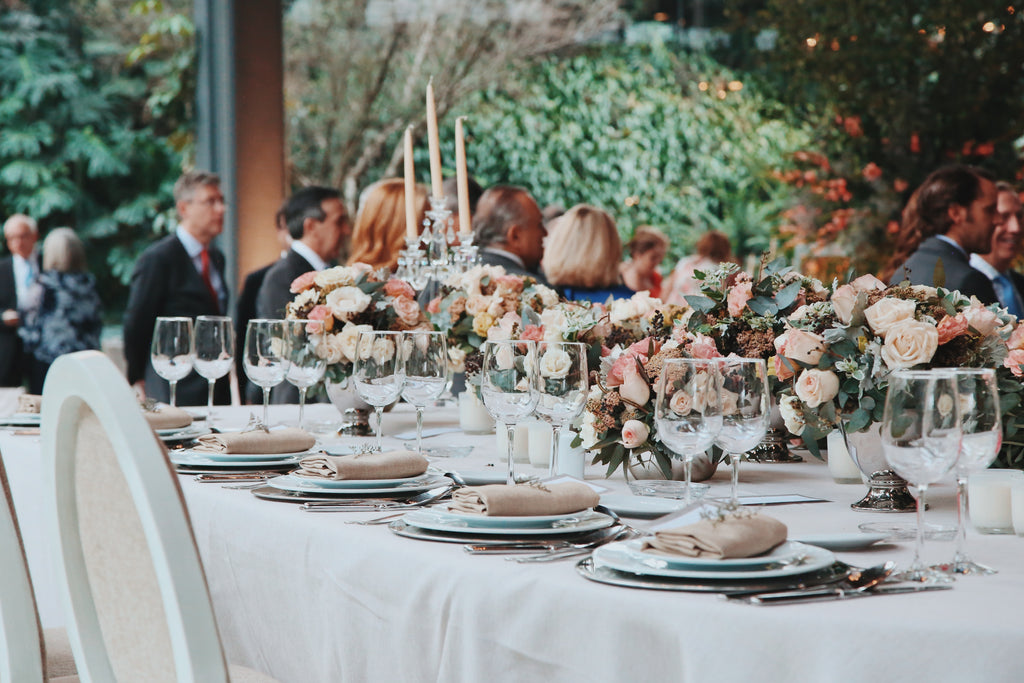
[[306, 203], [498, 210], [715, 246], [645, 238], [450, 188]]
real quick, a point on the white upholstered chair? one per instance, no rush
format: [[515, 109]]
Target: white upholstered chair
[[133, 586]]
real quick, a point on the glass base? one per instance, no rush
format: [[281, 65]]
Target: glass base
[[908, 532], [923, 574], [964, 567]]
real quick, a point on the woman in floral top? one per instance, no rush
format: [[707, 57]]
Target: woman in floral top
[[64, 312]]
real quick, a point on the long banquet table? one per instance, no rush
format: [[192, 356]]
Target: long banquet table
[[307, 597]]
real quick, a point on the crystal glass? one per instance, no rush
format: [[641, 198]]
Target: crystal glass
[[266, 357], [172, 350], [745, 410], [426, 373], [378, 371], [215, 352], [687, 409], [305, 367], [921, 436], [982, 436], [509, 387], [562, 386]]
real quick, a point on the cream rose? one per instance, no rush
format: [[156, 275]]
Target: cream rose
[[345, 302], [789, 407], [909, 343], [634, 388], [407, 310], [339, 276], [681, 403], [843, 300], [867, 283], [347, 339], [548, 296], [634, 433], [329, 348], [815, 387], [803, 346], [456, 359], [886, 312], [555, 363], [477, 304]]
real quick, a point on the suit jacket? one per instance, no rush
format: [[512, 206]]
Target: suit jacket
[[10, 342], [247, 311], [489, 258], [919, 269], [274, 295], [165, 282]]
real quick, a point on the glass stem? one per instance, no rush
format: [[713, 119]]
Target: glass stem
[[419, 429], [209, 400], [302, 404], [961, 519], [379, 411], [510, 431], [174, 384], [919, 543], [556, 434], [734, 461], [688, 470], [266, 407]]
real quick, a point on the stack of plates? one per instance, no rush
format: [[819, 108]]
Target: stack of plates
[[295, 487], [21, 420], [442, 524], [193, 461]]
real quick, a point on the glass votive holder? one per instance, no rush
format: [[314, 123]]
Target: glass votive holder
[[1017, 505], [840, 464], [667, 488], [989, 500], [539, 443], [521, 452], [473, 416]]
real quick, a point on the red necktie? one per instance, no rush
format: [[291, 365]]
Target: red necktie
[[204, 257]]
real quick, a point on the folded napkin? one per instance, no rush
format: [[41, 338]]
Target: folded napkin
[[30, 403], [387, 465], [164, 416], [290, 440], [721, 539], [522, 500]]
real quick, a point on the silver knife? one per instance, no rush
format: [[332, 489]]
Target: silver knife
[[836, 594]]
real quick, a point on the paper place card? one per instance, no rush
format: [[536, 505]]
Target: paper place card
[[784, 499]]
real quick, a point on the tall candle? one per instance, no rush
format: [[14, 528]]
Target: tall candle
[[462, 179], [410, 189], [433, 143]]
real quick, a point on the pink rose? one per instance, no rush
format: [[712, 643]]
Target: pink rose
[[396, 287], [302, 282], [783, 367], [1015, 360], [1016, 340], [634, 387], [407, 310], [641, 347], [951, 327], [532, 333], [739, 295], [511, 283], [435, 305], [981, 319], [634, 433], [703, 346], [801, 345], [321, 320], [843, 300]]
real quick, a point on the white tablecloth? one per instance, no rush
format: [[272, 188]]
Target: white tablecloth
[[309, 598]]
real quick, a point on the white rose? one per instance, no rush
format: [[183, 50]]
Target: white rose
[[305, 298], [886, 312], [347, 340], [345, 302], [456, 359], [328, 349], [555, 363], [789, 407], [815, 387], [929, 292], [909, 343], [867, 283], [548, 296], [339, 276], [383, 350], [587, 432], [800, 313], [505, 357], [982, 320], [634, 433]]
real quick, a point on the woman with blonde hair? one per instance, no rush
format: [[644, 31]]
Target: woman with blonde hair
[[379, 232], [647, 250], [582, 256]]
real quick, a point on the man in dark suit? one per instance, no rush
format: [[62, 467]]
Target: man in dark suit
[[17, 272], [956, 214], [180, 275], [509, 229], [1006, 242]]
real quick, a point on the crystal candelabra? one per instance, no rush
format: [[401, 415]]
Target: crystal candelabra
[[431, 255]]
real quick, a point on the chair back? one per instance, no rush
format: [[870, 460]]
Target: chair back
[[133, 589]]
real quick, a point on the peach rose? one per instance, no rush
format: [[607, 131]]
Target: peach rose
[[886, 312], [407, 309], [815, 387], [532, 333], [783, 367], [951, 327], [302, 282], [321, 320], [801, 345], [703, 346], [843, 300], [1016, 340], [477, 304], [739, 295], [396, 287], [681, 403], [511, 283], [1014, 361], [634, 433], [634, 387], [435, 305], [909, 343]]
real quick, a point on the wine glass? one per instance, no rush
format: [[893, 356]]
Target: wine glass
[[562, 387], [921, 436], [982, 437], [172, 350], [305, 367], [378, 371], [426, 372], [508, 387], [745, 411], [687, 408], [266, 357], [215, 351]]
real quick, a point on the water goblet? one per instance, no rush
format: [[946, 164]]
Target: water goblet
[[921, 436], [745, 410], [378, 372], [266, 357], [508, 386], [305, 367], [425, 355], [215, 352], [562, 387], [172, 351], [687, 408]]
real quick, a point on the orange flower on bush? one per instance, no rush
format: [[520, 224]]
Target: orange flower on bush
[[872, 172]]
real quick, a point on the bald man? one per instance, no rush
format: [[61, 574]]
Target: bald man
[[17, 272]]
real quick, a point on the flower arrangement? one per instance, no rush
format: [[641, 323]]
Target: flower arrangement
[[347, 300]]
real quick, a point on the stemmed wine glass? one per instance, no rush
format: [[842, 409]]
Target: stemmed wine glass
[[921, 436], [172, 350], [266, 357], [687, 409], [982, 437], [508, 386], [745, 411], [378, 371], [426, 372], [215, 351], [305, 367], [562, 387]]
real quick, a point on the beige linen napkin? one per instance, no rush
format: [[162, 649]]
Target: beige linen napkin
[[730, 537], [30, 403], [167, 417], [387, 465], [290, 440], [522, 500]]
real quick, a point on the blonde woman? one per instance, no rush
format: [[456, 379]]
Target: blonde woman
[[379, 233], [583, 254]]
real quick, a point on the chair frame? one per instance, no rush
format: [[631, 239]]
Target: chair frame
[[90, 378]]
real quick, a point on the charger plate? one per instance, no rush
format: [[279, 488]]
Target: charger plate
[[401, 528]]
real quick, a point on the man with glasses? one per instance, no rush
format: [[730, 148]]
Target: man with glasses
[[180, 275]]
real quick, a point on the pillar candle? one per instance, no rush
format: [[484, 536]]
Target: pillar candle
[[410, 189], [462, 179], [433, 143]]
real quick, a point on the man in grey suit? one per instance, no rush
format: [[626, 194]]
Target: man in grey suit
[[509, 228], [1006, 243], [956, 215], [17, 273]]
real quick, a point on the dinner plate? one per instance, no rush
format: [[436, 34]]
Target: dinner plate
[[400, 528], [247, 458], [190, 432], [290, 482], [322, 483], [628, 556], [499, 522], [782, 554], [325, 496], [640, 506], [849, 541], [190, 458], [444, 522]]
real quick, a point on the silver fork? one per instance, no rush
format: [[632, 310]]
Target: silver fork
[[580, 549]]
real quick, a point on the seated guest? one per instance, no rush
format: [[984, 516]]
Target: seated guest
[[955, 217], [509, 230], [379, 232], [583, 254], [647, 250], [713, 249], [64, 313], [1006, 241], [451, 193]]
